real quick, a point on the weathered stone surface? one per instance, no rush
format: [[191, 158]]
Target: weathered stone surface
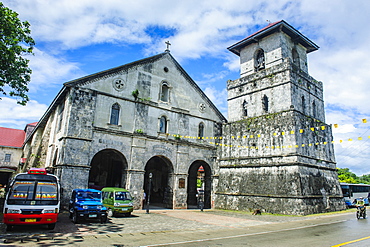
[[277, 153], [119, 126]]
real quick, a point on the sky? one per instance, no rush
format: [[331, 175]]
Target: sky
[[78, 38]]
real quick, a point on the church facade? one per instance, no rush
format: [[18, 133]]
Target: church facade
[[150, 119]]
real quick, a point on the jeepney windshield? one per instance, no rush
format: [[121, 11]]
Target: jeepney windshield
[[89, 195], [120, 195], [39, 192]]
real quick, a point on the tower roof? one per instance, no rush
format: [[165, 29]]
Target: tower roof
[[272, 28]]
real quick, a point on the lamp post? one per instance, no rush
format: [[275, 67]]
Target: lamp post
[[149, 189]]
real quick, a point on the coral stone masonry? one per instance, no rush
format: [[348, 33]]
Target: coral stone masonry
[[146, 126]]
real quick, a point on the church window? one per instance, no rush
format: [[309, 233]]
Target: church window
[[303, 105], [163, 125], [245, 108], [7, 157], [295, 57], [114, 115], [259, 63], [60, 120], [201, 130], [265, 103], [165, 92]]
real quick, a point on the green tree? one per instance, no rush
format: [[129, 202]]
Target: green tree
[[15, 42], [346, 176], [365, 179]]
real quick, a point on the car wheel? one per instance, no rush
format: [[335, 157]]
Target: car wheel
[[51, 226], [9, 227], [75, 218], [103, 219], [128, 214]]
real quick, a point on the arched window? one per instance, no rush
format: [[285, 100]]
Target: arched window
[[164, 92], [163, 125], [295, 57], [114, 115], [201, 130], [265, 103], [259, 63], [303, 105], [245, 108]]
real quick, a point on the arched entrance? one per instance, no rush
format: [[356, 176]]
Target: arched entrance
[[199, 178], [108, 169], [161, 192]]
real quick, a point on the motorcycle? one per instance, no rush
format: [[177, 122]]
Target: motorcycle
[[361, 212]]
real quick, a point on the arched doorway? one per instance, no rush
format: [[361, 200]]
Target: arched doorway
[[199, 178], [161, 192], [108, 169]]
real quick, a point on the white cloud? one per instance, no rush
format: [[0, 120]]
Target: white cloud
[[14, 115], [337, 26], [218, 98], [50, 71]]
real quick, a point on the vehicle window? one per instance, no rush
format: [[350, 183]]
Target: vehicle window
[[104, 194], [120, 195], [46, 191], [88, 195], [22, 190]]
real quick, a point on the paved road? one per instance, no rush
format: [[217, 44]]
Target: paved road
[[193, 228]]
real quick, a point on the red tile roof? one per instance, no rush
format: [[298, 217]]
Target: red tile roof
[[11, 137]]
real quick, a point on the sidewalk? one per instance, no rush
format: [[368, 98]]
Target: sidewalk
[[141, 222]]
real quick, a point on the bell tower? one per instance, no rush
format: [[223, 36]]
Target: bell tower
[[277, 154], [274, 72]]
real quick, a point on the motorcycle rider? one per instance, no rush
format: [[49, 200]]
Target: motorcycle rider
[[360, 205]]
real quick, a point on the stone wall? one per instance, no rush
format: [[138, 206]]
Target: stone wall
[[279, 163]]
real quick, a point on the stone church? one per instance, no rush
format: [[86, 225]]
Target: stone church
[[274, 153]]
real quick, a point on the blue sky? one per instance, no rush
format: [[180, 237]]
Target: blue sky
[[77, 38]]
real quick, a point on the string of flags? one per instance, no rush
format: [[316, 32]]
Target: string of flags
[[282, 133]]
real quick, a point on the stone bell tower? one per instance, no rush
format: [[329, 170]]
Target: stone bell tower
[[277, 154]]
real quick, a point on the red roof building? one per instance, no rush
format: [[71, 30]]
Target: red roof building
[[11, 137]]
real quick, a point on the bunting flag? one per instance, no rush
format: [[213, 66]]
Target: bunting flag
[[276, 134]]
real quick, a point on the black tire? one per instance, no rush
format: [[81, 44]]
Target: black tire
[[75, 218], [103, 219], [51, 226], [9, 228], [128, 214], [358, 215]]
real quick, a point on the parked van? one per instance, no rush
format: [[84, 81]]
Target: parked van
[[117, 201]]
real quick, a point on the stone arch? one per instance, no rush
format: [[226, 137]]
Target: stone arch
[[199, 169], [108, 168], [161, 188]]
